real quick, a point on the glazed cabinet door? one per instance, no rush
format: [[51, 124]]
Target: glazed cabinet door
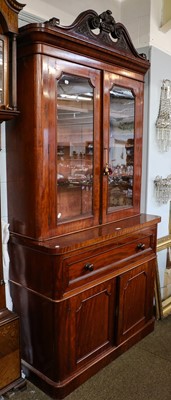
[[135, 304], [92, 323], [57, 190], [77, 146], [122, 145]]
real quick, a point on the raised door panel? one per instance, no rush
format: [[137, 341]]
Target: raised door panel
[[136, 291], [122, 141], [93, 322]]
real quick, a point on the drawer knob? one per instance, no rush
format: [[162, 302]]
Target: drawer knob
[[140, 246], [89, 267]]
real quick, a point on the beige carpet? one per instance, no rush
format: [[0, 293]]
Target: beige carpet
[[142, 373]]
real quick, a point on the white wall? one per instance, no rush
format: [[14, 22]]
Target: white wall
[[145, 30], [158, 163], [158, 38], [135, 15], [143, 20], [155, 162], [4, 213], [68, 10]]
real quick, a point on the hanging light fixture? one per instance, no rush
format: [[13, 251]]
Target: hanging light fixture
[[163, 123], [163, 189]]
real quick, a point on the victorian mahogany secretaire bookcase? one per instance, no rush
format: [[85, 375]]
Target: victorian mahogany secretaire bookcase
[[82, 256]]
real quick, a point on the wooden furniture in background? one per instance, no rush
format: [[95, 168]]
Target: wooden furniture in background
[[163, 300], [82, 255], [10, 359], [9, 10]]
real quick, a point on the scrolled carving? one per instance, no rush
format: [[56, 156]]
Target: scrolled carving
[[118, 31], [94, 22], [14, 5], [53, 22], [112, 35], [108, 22], [105, 22]]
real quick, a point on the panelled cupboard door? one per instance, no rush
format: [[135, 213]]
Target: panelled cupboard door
[[136, 292], [122, 146], [75, 99], [92, 321]]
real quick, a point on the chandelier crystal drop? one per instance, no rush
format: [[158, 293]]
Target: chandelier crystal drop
[[163, 189], [163, 123]]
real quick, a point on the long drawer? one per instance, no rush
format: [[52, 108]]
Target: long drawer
[[87, 265]]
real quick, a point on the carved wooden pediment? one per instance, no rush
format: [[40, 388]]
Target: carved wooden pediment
[[101, 29]]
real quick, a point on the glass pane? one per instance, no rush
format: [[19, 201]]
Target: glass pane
[[1, 72], [121, 148], [74, 148]]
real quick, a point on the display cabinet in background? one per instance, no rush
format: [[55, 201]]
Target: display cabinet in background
[[82, 255], [9, 10], [10, 357]]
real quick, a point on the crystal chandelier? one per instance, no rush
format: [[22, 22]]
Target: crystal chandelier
[[163, 123], [163, 189]]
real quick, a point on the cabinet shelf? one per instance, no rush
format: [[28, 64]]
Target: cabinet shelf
[[75, 184], [6, 115]]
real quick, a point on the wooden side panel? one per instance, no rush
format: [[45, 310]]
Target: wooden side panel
[[9, 352]]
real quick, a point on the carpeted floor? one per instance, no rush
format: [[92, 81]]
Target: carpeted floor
[[142, 373]]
